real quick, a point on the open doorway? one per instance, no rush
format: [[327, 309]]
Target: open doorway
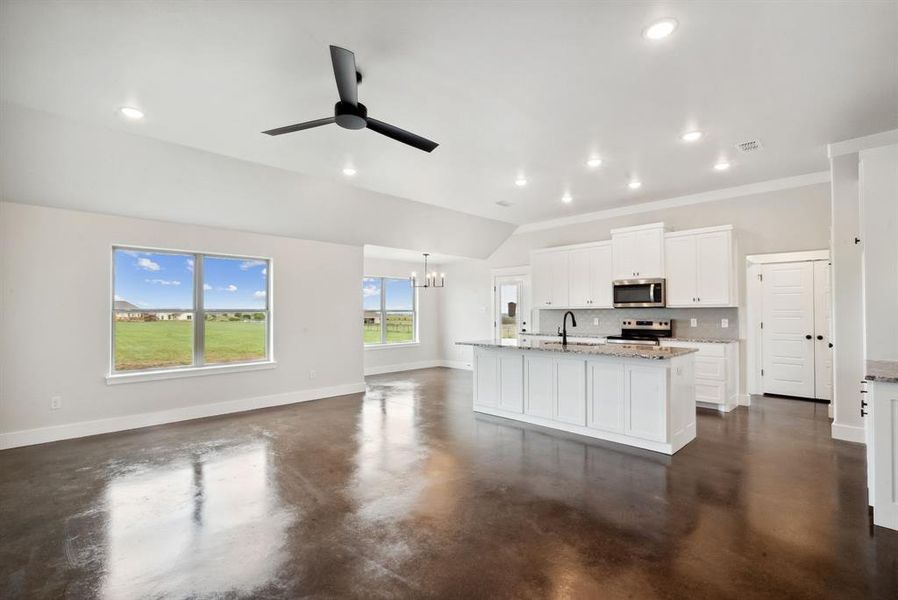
[[511, 304]]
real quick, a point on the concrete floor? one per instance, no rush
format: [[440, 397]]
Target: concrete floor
[[405, 492]]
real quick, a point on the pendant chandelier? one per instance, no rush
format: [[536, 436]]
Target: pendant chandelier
[[430, 279]]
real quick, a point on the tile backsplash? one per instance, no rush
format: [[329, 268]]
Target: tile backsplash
[[708, 325]]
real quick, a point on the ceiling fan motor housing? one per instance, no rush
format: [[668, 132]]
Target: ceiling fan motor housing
[[351, 116]]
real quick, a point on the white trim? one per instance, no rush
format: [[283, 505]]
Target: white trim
[[390, 346], [28, 437], [852, 146], [644, 227], [784, 257], [458, 364], [711, 196], [849, 433], [120, 377], [601, 244], [396, 368], [508, 271], [700, 230]]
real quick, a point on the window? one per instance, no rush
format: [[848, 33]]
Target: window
[[180, 309], [389, 306]]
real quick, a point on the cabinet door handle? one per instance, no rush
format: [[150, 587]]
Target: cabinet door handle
[[830, 344], [808, 336], [819, 337], [863, 413]]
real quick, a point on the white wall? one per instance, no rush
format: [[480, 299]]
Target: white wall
[[54, 326], [848, 304], [879, 240], [466, 312], [428, 351]]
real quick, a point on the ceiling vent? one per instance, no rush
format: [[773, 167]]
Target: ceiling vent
[[749, 146], [504, 203]]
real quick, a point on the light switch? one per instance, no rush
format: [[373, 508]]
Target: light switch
[[693, 322], [724, 323], [595, 321]]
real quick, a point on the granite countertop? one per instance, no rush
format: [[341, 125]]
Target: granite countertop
[[678, 338], [620, 350], [882, 370]]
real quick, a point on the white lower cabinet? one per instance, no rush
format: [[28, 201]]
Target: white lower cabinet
[[716, 373], [605, 382], [644, 403]]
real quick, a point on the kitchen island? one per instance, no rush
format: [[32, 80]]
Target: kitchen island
[[641, 396]]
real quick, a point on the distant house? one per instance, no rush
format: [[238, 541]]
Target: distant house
[[125, 311]]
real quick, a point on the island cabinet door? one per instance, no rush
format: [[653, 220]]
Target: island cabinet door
[[570, 391], [605, 393], [511, 382], [486, 378], [646, 395], [539, 383]]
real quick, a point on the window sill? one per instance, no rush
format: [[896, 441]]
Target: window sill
[[388, 346], [118, 378]]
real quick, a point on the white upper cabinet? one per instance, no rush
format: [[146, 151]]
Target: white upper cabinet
[[638, 252], [589, 271], [701, 267], [549, 270]]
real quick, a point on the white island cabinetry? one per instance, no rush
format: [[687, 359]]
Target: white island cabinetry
[[644, 402]]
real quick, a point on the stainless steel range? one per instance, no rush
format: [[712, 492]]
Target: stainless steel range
[[642, 333]]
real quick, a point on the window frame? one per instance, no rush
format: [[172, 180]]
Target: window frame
[[382, 311], [198, 313]]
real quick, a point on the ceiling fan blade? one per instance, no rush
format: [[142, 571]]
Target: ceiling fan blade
[[401, 135], [345, 74], [300, 126]]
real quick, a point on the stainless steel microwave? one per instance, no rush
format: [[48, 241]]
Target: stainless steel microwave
[[639, 293]]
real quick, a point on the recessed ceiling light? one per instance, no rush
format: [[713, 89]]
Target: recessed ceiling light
[[692, 136], [594, 162], [349, 171], [660, 29], [635, 184], [567, 199], [130, 112], [721, 165], [520, 181]]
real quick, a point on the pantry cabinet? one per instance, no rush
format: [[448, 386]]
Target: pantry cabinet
[[701, 269]]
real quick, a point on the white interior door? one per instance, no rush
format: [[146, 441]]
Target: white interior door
[[823, 354], [788, 324]]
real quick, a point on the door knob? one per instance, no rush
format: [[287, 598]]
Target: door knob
[[819, 337], [808, 336]]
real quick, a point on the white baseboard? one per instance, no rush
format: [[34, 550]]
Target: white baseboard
[[41, 435], [744, 400], [849, 433], [423, 364], [458, 364]]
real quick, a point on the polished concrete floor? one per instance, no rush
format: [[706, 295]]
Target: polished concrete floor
[[404, 492]]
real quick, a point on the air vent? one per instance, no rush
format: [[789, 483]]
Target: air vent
[[504, 203], [749, 146]]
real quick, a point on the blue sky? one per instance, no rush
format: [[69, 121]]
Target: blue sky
[[161, 280], [400, 295]]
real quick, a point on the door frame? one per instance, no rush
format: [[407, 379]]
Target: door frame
[[754, 310], [522, 273]]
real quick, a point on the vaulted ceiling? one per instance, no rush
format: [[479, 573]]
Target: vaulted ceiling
[[507, 89]]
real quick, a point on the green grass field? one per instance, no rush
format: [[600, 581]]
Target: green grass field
[[400, 328], [157, 344]]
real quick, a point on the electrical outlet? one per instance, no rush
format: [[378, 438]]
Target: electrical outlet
[[55, 402], [595, 321], [313, 374], [693, 322], [724, 323]]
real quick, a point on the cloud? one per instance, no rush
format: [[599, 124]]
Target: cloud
[[260, 294], [118, 298], [265, 271], [249, 264], [370, 290], [207, 287], [147, 265], [163, 281], [229, 288], [190, 265]]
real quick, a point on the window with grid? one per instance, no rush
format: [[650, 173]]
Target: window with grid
[[185, 309], [389, 311]]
